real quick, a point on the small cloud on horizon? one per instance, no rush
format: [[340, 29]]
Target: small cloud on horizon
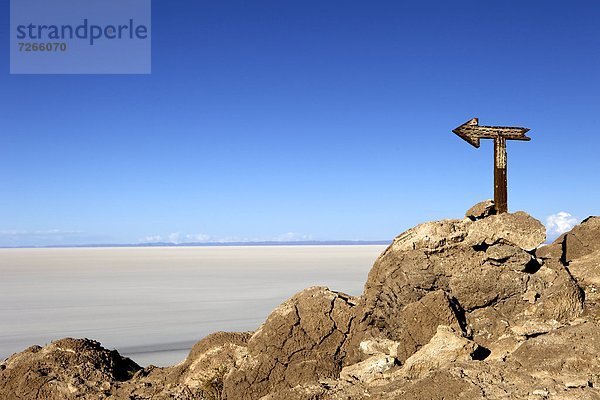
[[179, 238], [292, 237], [559, 223], [197, 237]]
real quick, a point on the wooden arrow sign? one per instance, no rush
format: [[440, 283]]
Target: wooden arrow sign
[[471, 132]]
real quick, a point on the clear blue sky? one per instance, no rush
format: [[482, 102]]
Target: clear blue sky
[[308, 119]]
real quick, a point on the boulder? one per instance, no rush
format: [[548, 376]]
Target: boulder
[[482, 277], [581, 240], [419, 322], [560, 364], [563, 354], [299, 344], [519, 229], [429, 236], [445, 347], [552, 251], [209, 360], [377, 346], [65, 369], [586, 272], [507, 256], [369, 369], [481, 210]]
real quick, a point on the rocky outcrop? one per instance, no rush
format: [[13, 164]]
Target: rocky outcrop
[[486, 272], [581, 240], [473, 308], [586, 271], [65, 369], [445, 347], [558, 365], [481, 210], [210, 358], [300, 343], [199, 376]]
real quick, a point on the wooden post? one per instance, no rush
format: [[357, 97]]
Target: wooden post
[[471, 132], [500, 180]]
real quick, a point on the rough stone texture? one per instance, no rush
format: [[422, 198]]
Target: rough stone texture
[[481, 210], [507, 256], [552, 251], [378, 346], [420, 320], [559, 363], [586, 271], [429, 236], [65, 369], [369, 369], [199, 376], [212, 356], [582, 239], [519, 229], [465, 309], [484, 270], [445, 347], [301, 342]]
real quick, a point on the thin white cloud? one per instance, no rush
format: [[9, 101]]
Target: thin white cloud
[[151, 239], [174, 237], [179, 238], [197, 238], [292, 237], [559, 223]]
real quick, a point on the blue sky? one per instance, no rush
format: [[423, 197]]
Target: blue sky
[[314, 120]]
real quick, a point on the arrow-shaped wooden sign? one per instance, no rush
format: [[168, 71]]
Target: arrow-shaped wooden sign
[[471, 132]]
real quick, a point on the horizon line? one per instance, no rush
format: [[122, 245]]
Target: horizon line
[[211, 244]]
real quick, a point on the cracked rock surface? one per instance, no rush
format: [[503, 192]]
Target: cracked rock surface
[[301, 342], [65, 369], [472, 309]]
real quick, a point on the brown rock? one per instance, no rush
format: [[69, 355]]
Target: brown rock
[[509, 256], [377, 346], [65, 369], [300, 343], [519, 229], [586, 271], [562, 353], [582, 239], [442, 384], [561, 301], [483, 267], [481, 210], [558, 363], [430, 236], [369, 369], [552, 251], [445, 347], [451, 309], [210, 359], [486, 285], [420, 320]]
